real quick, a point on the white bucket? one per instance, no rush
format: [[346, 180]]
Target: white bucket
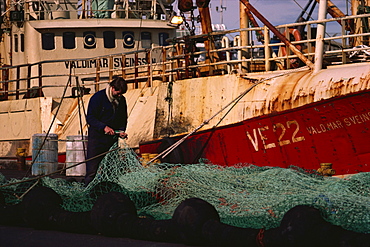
[[76, 149]]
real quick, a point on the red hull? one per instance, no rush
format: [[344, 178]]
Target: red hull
[[332, 131]]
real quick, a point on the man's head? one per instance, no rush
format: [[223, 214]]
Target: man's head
[[119, 86]]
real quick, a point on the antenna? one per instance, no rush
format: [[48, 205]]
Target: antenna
[[220, 10]]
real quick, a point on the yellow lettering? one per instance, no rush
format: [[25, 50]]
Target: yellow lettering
[[283, 130], [323, 128], [339, 123], [347, 122], [253, 141], [294, 138], [330, 126], [365, 117], [264, 138], [358, 121]]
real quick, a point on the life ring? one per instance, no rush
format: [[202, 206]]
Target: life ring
[[297, 37]]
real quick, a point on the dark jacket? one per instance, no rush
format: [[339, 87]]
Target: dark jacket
[[101, 113]]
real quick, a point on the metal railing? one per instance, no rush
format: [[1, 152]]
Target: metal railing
[[85, 9], [184, 59]]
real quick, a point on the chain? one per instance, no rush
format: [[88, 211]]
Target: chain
[[192, 23], [192, 28]]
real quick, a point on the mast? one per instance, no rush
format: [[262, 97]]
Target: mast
[[320, 36], [206, 23], [244, 37]]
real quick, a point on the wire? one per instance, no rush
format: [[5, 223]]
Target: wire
[[233, 102], [51, 124]]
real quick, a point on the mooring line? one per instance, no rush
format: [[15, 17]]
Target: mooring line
[[234, 101]]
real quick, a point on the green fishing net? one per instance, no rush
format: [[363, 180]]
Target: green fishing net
[[244, 195]]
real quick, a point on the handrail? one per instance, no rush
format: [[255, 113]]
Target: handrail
[[36, 10]]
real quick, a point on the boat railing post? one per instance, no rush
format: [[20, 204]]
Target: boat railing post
[[40, 79], [320, 36], [225, 42], [244, 36], [136, 70], [287, 36], [123, 66], [186, 58], [237, 44], [110, 68], [17, 87], [126, 8], [5, 83], [344, 41], [266, 37], [97, 78], [172, 63], [149, 61], [164, 59], [309, 37], [29, 71], [178, 62]]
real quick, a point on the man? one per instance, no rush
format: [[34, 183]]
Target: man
[[106, 116]]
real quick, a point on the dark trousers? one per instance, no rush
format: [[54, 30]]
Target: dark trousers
[[96, 145]]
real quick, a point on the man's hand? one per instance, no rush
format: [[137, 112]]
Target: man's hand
[[108, 130], [123, 135]]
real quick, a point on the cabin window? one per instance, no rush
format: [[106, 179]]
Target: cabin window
[[69, 40], [109, 39], [22, 42], [146, 40], [89, 40], [162, 39], [16, 41], [48, 41], [128, 38]]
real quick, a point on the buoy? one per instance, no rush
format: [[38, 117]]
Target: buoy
[[106, 211], [38, 205], [11, 215], [190, 216], [304, 226]]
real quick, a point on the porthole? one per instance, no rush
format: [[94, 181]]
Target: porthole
[[89, 40], [128, 39]]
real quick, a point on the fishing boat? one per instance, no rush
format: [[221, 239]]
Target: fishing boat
[[296, 97]]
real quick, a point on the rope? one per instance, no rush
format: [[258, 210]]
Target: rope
[[51, 124], [236, 100], [80, 101], [259, 238]]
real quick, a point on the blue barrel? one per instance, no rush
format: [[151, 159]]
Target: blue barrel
[[76, 150], [44, 156]]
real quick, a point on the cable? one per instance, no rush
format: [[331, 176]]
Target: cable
[[80, 101], [236, 100], [53, 120]]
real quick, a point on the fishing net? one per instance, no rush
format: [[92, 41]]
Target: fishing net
[[244, 196]]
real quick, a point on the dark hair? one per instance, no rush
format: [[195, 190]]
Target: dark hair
[[119, 84]]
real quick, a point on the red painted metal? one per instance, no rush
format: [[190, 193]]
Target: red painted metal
[[332, 131]]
